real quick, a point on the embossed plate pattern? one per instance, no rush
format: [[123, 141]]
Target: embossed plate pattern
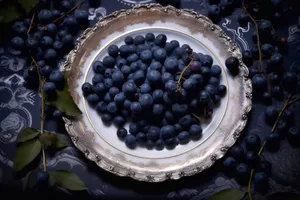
[[100, 143]]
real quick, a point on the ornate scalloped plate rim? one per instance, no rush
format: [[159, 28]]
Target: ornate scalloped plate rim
[[101, 162]]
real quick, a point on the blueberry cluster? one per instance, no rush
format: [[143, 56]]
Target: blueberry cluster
[[239, 163], [47, 38], [159, 86]]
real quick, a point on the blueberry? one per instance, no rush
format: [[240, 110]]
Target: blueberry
[[166, 77], [171, 87], [139, 77], [106, 118], [119, 98], [17, 43], [189, 84], [112, 108], [56, 76], [125, 70], [183, 137], [205, 72], [247, 57], [145, 88], [160, 55], [56, 14], [157, 96], [68, 41], [158, 110], [97, 79], [129, 40], [87, 89], [146, 100], [175, 43], [139, 39], [49, 88], [82, 16], [204, 98], [51, 29], [267, 50], [159, 144], [62, 33], [170, 143], [207, 61], [134, 128], [265, 27], [37, 35], [169, 47], [199, 81], [119, 121], [117, 78], [154, 77], [170, 117], [186, 121], [267, 98], [179, 110], [45, 16], [167, 132], [127, 104], [130, 141], [108, 83], [129, 88], [100, 89], [121, 133], [132, 49], [58, 46], [101, 107], [290, 81], [107, 98], [214, 82], [259, 82], [57, 113], [276, 62], [109, 61], [50, 55], [113, 91], [149, 37], [260, 180], [253, 142], [136, 107], [271, 114], [242, 172], [46, 42], [243, 19], [41, 178], [108, 72], [132, 58], [92, 99], [237, 152], [232, 64], [273, 142], [45, 70], [141, 138], [71, 24], [160, 39], [251, 158], [146, 56], [113, 51], [214, 11], [195, 131], [229, 164], [153, 133], [215, 70], [66, 5], [149, 144]]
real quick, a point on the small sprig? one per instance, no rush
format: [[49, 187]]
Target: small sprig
[[182, 73]]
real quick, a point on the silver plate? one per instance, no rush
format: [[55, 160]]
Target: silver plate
[[100, 143]]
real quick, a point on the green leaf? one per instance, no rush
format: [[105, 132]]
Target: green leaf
[[228, 194], [53, 140], [9, 13], [28, 4], [68, 180], [27, 134], [65, 102], [283, 195], [26, 152]]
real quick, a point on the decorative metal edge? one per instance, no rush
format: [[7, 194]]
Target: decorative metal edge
[[187, 171]]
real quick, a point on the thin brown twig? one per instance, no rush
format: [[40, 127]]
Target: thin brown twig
[[31, 23], [281, 111], [293, 101], [181, 75], [257, 35]]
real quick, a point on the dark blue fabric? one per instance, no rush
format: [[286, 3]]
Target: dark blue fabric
[[20, 107]]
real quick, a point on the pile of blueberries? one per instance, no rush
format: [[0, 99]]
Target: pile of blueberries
[[50, 38], [159, 86]]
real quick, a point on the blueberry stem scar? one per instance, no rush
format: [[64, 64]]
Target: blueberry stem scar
[[41, 80]]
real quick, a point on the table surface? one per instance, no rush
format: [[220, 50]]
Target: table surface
[[20, 108]]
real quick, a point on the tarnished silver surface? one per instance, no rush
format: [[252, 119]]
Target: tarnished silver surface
[[189, 163]]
